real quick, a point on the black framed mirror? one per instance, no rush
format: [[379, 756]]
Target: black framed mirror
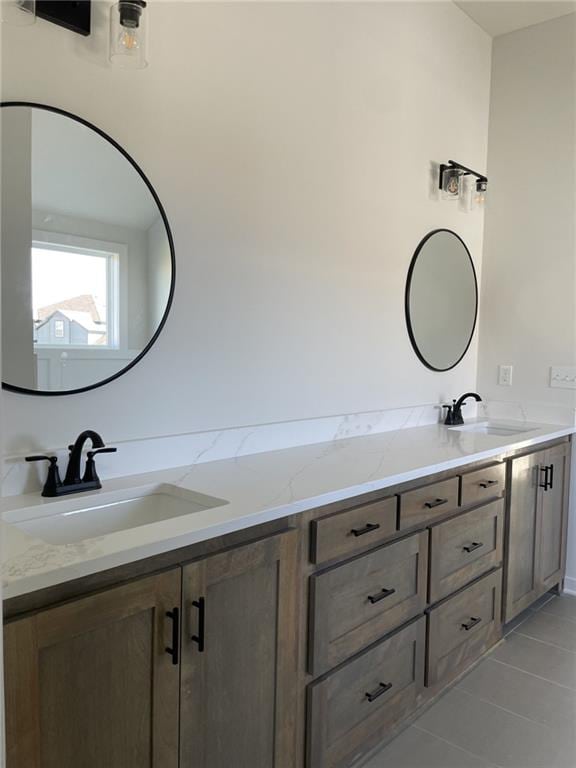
[[441, 300], [88, 263]]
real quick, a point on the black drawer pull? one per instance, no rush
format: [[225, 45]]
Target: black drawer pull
[[199, 638], [472, 623], [473, 546], [368, 528], [551, 481], [547, 483], [436, 503], [174, 651], [488, 483], [382, 688], [381, 595]]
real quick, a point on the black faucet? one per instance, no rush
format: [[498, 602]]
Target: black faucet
[[73, 483], [454, 411]]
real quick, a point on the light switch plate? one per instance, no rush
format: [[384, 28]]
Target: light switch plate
[[563, 376], [505, 375]]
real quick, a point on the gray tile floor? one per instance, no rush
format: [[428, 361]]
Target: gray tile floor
[[516, 709]]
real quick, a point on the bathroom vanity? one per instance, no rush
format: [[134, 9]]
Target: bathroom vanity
[[306, 635]]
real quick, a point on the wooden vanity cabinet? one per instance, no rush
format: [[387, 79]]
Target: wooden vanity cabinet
[[239, 657], [193, 668], [90, 683], [537, 521]]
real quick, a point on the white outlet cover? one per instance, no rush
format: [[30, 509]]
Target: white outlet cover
[[505, 375]]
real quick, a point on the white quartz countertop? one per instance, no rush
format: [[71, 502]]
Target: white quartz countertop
[[256, 488]]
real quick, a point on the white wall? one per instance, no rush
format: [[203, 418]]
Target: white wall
[[291, 145], [528, 308], [528, 303]]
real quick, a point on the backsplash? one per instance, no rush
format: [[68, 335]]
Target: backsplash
[[135, 456]]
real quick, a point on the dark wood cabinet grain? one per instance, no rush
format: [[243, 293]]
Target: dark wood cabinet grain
[[90, 683], [357, 603], [536, 526], [354, 707], [238, 702], [465, 547], [462, 628]]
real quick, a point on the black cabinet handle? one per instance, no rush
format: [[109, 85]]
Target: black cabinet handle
[[436, 503], [473, 546], [174, 651], [368, 528], [472, 623], [381, 595], [551, 481], [382, 688], [200, 604], [546, 483], [488, 483]]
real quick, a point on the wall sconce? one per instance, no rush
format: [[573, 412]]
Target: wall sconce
[[128, 34], [450, 181], [71, 14]]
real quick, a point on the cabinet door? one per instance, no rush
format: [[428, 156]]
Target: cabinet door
[[90, 684], [523, 535], [239, 657], [554, 516]]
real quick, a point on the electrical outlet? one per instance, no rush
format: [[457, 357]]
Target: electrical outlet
[[563, 376], [505, 375]]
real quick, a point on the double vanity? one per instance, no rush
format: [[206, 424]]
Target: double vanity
[[292, 608]]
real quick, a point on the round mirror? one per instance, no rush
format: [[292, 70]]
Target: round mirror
[[87, 254], [441, 300]]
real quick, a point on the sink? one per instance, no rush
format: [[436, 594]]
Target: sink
[[502, 429], [73, 520]]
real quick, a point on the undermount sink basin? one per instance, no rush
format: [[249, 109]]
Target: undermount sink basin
[[502, 429], [73, 520]]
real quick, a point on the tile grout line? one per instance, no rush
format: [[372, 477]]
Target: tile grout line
[[489, 764], [509, 711], [531, 674], [545, 642], [556, 616]]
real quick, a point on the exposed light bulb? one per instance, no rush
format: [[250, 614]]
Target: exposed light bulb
[[129, 39], [480, 196], [128, 24]]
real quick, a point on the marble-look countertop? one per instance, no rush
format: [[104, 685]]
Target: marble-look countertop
[[255, 489]]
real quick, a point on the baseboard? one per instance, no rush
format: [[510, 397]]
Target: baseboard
[[569, 586]]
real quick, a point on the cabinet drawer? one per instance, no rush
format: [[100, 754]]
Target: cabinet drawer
[[462, 628], [354, 707], [483, 484], [355, 604], [465, 547], [425, 504], [346, 533]]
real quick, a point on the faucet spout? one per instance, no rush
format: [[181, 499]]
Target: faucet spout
[[73, 472], [457, 407]]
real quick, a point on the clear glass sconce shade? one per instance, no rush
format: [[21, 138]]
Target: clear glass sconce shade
[[451, 183], [18, 13], [129, 34], [480, 193]]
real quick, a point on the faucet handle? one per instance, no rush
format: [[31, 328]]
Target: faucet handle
[[51, 459], [449, 414], [91, 454], [90, 474], [53, 481]]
